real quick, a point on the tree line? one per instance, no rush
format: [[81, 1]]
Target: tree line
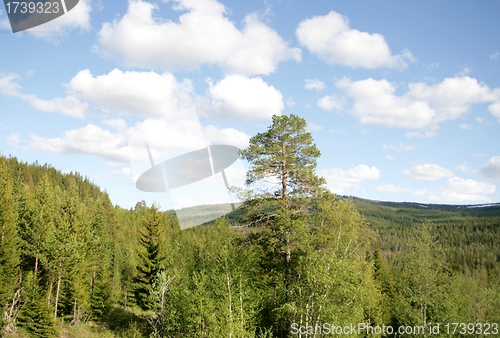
[[295, 256]]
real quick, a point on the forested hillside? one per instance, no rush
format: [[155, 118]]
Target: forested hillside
[[469, 234], [74, 265]]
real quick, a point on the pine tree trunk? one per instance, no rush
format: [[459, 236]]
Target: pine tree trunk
[[36, 265], [57, 294], [283, 170], [50, 292]]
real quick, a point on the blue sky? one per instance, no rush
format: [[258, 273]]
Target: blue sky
[[402, 98]]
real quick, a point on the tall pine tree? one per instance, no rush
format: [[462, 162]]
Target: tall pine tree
[[9, 242], [149, 255]]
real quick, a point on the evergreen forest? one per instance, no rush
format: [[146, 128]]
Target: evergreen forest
[[72, 264]]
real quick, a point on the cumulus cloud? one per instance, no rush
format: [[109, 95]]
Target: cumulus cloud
[[69, 105], [241, 97], [153, 95], [332, 39], [339, 180], [390, 158], [422, 107], [392, 188], [166, 137], [147, 94], [400, 147], [77, 18], [314, 84], [494, 109], [460, 190], [202, 35], [90, 140], [13, 139], [231, 136], [331, 102], [465, 168], [466, 126], [495, 56], [427, 172], [311, 126], [492, 168]]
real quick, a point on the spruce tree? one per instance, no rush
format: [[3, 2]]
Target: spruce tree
[[9, 241], [149, 256], [36, 316]]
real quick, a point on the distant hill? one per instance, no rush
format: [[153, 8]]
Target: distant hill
[[469, 234], [382, 214]]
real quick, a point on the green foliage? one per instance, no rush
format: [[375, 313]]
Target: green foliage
[[284, 152], [9, 242], [149, 256], [36, 316], [423, 282], [308, 257]]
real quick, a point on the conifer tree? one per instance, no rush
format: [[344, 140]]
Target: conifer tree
[[9, 241], [149, 255], [36, 316], [285, 154], [99, 264]]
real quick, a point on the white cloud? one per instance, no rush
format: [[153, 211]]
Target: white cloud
[[126, 171], [240, 97], [465, 168], [77, 18], [464, 71], [89, 140], [495, 56], [332, 40], [466, 126], [453, 97], [478, 155], [459, 190], [331, 102], [147, 94], [290, 102], [393, 188], [492, 168], [314, 84], [432, 65], [184, 134], [13, 139], [427, 172], [390, 158], [494, 109], [313, 127], [375, 102], [480, 119], [400, 147], [230, 136], [422, 107], [153, 95], [69, 105], [202, 35], [338, 180], [4, 22]]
